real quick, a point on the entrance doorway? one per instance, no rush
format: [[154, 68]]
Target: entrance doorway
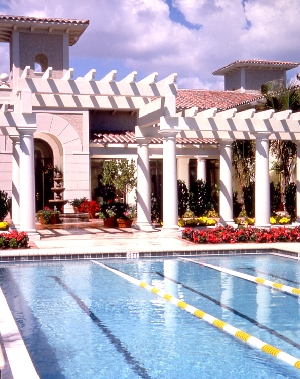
[[43, 160]]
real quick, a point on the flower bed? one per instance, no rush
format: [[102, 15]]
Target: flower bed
[[274, 220], [228, 234], [14, 240], [200, 221]]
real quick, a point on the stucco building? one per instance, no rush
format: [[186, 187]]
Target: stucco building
[[49, 118]]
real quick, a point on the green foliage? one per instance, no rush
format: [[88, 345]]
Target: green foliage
[[77, 202], [284, 153], [46, 214], [5, 203], [281, 98], [13, 244], [183, 197], [200, 198], [120, 174], [155, 214], [290, 200], [275, 197], [249, 199], [243, 161], [237, 207]]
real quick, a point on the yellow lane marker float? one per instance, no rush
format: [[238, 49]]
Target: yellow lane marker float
[[240, 334], [265, 282]]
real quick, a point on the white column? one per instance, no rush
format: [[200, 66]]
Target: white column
[[15, 199], [262, 180], [183, 170], [298, 182], [170, 198], [27, 182], [143, 186], [201, 168], [226, 196]]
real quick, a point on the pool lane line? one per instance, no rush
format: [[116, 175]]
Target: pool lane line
[[115, 341], [220, 324], [278, 286], [234, 311], [272, 275]]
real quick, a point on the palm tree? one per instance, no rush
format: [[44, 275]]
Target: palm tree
[[280, 98]]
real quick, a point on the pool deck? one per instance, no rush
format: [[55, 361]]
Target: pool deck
[[92, 240]]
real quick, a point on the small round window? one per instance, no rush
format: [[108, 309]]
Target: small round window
[[40, 63]]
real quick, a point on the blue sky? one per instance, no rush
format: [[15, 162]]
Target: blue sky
[[190, 37]]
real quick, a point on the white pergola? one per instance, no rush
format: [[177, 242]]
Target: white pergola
[[156, 118], [224, 127], [32, 95]]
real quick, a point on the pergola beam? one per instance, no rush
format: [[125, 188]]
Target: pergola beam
[[104, 87]]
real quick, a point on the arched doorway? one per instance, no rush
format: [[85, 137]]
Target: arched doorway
[[43, 160]]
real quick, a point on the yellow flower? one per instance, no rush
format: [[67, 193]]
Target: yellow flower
[[3, 225], [273, 220], [211, 222], [202, 220], [284, 220], [181, 222]]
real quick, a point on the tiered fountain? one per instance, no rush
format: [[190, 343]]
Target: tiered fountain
[[58, 189], [58, 203]]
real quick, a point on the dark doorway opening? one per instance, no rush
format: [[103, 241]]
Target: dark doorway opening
[[43, 159]]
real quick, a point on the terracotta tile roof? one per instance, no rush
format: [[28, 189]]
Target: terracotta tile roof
[[205, 99], [254, 63], [107, 137], [42, 19], [75, 28]]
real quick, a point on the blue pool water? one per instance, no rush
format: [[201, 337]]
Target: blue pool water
[[79, 320]]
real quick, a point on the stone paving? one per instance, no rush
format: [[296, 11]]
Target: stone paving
[[92, 238]]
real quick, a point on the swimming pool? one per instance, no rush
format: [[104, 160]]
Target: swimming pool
[[79, 319]]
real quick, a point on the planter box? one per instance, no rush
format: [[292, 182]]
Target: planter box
[[109, 222], [124, 223], [53, 220]]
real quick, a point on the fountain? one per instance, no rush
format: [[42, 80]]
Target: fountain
[[58, 203]]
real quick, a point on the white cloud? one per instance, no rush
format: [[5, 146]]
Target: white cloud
[[140, 34]]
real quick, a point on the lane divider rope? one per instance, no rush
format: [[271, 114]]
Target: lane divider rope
[[257, 280], [229, 329]]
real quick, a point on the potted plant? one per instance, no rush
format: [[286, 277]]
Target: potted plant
[[90, 207], [48, 216], [108, 214], [76, 203], [125, 219], [120, 174]]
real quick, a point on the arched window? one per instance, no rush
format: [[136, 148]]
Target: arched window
[[40, 63]]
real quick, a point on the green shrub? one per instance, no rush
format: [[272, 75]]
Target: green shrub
[[275, 197], [155, 207], [249, 199], [237, 207], [183, 197], [5, 203], [290, 200], [200, 198]]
